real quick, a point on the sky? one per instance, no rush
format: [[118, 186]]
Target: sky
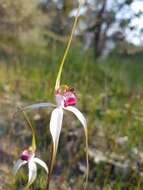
[[133, 36]]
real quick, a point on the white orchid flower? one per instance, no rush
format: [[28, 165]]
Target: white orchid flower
[[65, 100], [28, 157]]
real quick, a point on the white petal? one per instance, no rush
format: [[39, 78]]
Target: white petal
[[56, 125], [32, 172], [18, 165], [82, 119], [37, 106], [41, 163], [78, 114]]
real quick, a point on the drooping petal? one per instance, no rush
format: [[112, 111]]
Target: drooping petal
[[18, 165], [37, 106], [78, 114], [55, 129], [32, 172], [82, 119], [41, 163]]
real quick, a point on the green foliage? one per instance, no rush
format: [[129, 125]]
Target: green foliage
[[125, 69], [113, 105], [21, 22], [109, 92]]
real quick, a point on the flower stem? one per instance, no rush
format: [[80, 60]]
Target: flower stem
[[50, 169], [33, 145], [87, 160], [57, 85]]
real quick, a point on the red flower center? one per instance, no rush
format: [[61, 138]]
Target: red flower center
[[26, 155], [69, 99], [66, 95]]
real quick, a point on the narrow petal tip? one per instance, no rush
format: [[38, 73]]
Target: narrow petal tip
[[18, 165]]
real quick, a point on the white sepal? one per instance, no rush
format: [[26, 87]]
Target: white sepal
[[78, 114], [38, 106], [32, 172], [41, 163], [18, 165], [56, 125], [82, 119]]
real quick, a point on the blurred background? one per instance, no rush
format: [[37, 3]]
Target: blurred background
[[105, 66]]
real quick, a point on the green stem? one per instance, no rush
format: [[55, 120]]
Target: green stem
[[33, 131], [57, 85]]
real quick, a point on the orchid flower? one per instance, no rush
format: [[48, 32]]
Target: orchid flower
[[28, 157], [65, 99]]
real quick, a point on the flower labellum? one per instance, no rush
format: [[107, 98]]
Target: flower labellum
[[65, 96], [69, 99], [28, 157]]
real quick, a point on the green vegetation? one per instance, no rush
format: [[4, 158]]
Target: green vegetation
[[109, 93], [33, 37]]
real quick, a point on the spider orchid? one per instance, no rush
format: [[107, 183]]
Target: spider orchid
[[28, 157], [65, 99]]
